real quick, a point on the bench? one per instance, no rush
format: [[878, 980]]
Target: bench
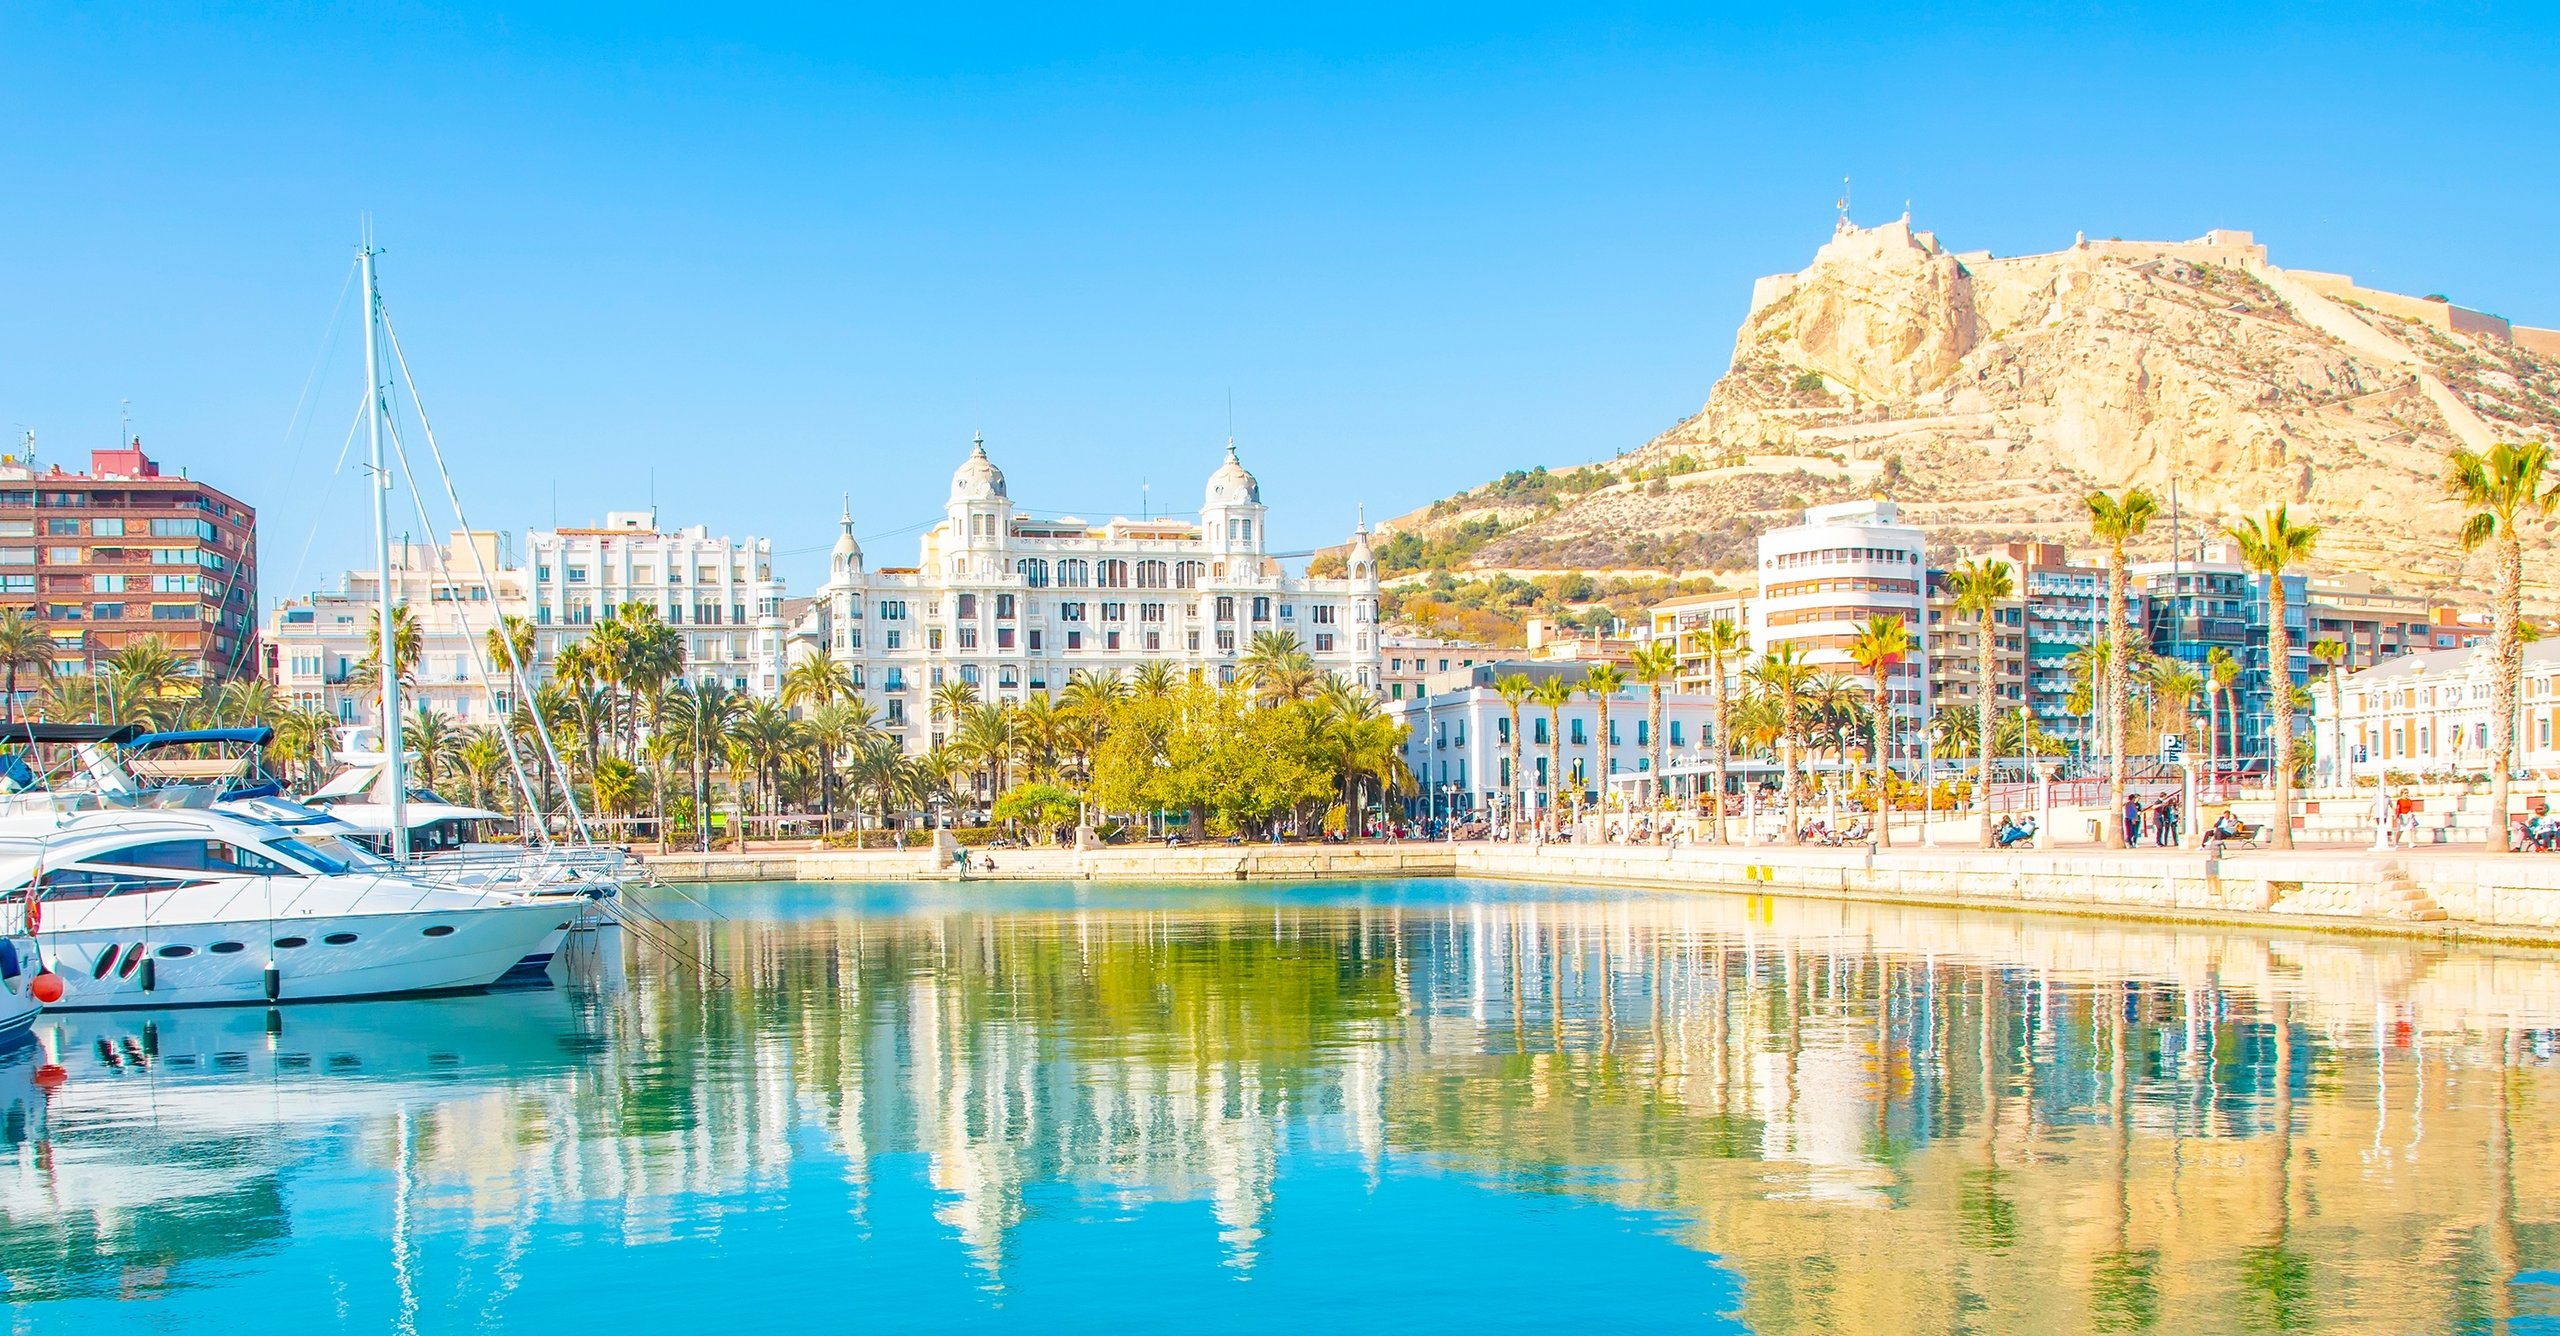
[[2250, 835]]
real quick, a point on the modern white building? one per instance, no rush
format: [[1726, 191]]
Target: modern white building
[[1820, 581], [1411, 660], [2429, 713], [1011, 604], [314, 643], [1459, 741], [720, 594]]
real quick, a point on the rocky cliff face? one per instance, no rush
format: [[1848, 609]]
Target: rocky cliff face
[[1989, 395]]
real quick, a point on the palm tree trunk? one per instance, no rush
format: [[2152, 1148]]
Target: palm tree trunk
[[1884, 767], [2509, 651], [2280, 669], [2114, 699], [1724, 750], [1654, 722], [1982, 725]]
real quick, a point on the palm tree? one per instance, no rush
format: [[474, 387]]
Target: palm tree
[[1655, 666], [1601, 681], [1276, 668], [303, 735], [2175, 687], [818, 682], [510, 649], [430, 734], [2116, 522], [1155, 679], [247, 702], [407, 637], [837, 727], [951, 700], [483, 756], [1878, 648], [1554, 694], [2221, 674], [24, 644], [702, 718], [2504, 490], [2270, 546], [1782, 674], [2331, 653], [766, 737], [1514, 689], [1981, 586], [147, 679], [1722, 642]]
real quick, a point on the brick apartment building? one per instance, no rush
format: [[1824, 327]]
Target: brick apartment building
[[120, 552]]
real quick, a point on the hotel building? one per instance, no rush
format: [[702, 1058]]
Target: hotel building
[[1011, 604], [1820, 582], [718, 593], [315, 643], [122, 552], [2430, 712]]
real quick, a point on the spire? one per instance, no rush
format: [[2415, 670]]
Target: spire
[[1364, 518], [848, 512], [978, 444]]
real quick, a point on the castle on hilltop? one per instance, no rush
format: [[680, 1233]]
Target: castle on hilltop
[[2221, 246]]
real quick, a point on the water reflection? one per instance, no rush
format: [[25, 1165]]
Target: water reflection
[[1872, 1119]]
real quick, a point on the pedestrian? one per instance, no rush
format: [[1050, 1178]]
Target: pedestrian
[[2164, 821], [2132, 821]]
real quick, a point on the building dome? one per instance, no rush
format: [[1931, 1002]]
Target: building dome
[[978, 479], [847, 556], [1231, 485]]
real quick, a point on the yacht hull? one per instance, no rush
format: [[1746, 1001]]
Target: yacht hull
[[316, 956]]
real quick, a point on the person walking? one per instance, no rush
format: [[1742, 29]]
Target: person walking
[[2132, 820]]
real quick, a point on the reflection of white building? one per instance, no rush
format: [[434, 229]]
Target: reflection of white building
[[1013, 604], [315, 642]]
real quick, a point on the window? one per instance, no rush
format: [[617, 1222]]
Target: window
[[933, 637], [1115, 612], [1150, 612], [57, 528], [179, 528], [1070, 612], [1502, 731], [1324, 644], [173, 584], [107, 612], [1112, 573], [1035, 572], [1578, 738], [969, 606], [1153, 575], [1111, 640], [968, 637], [106, 584], [896, 639], [1075, 640], [1035, 640], [17, 556], [1262, 609], [1538, 730], [893, 610], [1004, 606], [173, 612], [195, 856], [1004, 637], [1323, 615]]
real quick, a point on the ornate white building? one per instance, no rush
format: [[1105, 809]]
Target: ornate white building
[[1012, 604]]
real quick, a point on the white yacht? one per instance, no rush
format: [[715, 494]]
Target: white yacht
[[187, 906]]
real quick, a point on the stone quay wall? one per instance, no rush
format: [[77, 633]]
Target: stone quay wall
[[2405, 893]]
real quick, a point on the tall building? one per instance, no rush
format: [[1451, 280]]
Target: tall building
[[317, 643], [719, 594], [1011, 604], [121, 552], [1679, 622], [1820, 582], [2196, 603], [2059, 608], [1408, 661]]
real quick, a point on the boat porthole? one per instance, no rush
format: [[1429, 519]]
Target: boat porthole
[[225, 948], [289, 943], [106, 961], [339, 938], [176, 952], [439, 930], [132, 958]]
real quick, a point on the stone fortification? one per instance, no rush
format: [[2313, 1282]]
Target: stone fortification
[[1989, 394]]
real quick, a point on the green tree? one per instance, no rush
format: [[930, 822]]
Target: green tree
[[2504, 490], [1980, 587], [2117, 521], [24, 646], [1514, 689], [1602, 681], [1655, 667], [2270, 546], [1723, 642], [1553, 695], [1782, 674], [1879, 647]]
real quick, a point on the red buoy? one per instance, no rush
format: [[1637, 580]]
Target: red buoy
[[47, 987], [50, 1076]]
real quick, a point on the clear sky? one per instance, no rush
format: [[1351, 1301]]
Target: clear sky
[[754, 260]]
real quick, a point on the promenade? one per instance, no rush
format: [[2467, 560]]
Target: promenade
[[2435, 892]]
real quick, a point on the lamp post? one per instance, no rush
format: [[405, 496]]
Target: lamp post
[[2044, 804]]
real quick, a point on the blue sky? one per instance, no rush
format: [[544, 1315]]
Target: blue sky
[[763, 258]]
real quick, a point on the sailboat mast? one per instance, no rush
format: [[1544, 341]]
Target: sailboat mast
[[394, 763]]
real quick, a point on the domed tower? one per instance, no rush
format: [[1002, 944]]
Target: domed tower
[[1360, 565], [1231, 513], [981, 515], [845, 565]]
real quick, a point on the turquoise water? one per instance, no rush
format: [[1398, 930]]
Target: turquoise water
[[1426, 1105]]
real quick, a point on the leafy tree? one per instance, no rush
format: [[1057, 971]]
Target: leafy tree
[[2504, 490], [1980, 587], [2117, 521], [2270, 546]]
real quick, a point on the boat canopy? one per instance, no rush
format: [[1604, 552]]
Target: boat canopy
[[243, 737], [28, 733]]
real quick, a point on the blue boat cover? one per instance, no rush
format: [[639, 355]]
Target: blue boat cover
[[248, 737]]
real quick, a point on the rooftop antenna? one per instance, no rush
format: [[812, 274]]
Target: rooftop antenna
[[124, 432], [1142, 498]]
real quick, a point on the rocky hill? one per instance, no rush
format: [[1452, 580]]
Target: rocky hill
[[1988, 395]]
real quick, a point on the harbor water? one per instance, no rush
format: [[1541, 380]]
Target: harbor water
[[1426, 1105]]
